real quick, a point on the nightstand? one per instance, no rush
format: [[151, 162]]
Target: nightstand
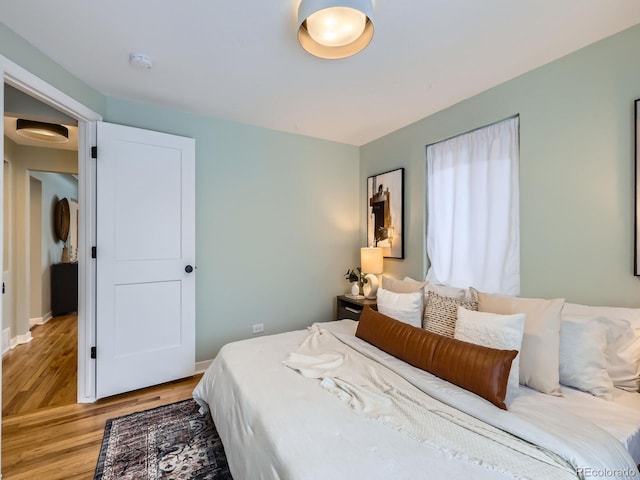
[[348, 307]]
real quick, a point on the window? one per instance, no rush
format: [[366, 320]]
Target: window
[[473, 230]]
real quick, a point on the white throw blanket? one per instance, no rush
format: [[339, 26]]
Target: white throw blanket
[[375, 392]]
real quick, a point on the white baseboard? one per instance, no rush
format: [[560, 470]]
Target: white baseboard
[[35, 321], [202, 366], [9, 343], [20, 339], [40, 320]]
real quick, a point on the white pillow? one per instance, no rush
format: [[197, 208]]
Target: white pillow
[[623, 360], [540, 354], [631, 315], [463, 294], [402, 286], [623, 340], [406, 307], [583, 361], [502, 332]]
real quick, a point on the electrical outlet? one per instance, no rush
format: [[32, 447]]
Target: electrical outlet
[[258, 327]]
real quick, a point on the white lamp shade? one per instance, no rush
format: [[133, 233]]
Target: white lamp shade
[[335, 28], [371, 260]]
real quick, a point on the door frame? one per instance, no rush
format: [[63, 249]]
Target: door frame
[[25, 81], [34, 235]]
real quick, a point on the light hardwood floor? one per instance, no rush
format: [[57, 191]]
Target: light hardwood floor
[[43, 372], [45, 434]]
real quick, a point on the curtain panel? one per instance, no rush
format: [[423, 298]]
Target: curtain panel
[[473, 226]]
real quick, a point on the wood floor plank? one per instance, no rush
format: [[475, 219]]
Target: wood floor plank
[[33, 373], [45, 434]]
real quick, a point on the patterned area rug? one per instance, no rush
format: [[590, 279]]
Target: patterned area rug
[[172, 442]]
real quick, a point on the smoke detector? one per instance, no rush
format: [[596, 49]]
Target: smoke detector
[[140, 61]]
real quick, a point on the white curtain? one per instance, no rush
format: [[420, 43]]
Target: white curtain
[[473, 227]]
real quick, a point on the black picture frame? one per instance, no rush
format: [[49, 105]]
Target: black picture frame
[[636, 210], [385, 212]]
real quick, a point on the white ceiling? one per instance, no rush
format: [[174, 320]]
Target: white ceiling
[[240, 60]]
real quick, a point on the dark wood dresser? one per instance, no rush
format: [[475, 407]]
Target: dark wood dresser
[[64, 288]]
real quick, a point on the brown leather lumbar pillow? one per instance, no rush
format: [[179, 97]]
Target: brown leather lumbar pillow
[[481, 370]]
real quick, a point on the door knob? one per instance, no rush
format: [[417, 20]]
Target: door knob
[[188, 269]]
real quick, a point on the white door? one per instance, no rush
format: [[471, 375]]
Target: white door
[[145, 287]]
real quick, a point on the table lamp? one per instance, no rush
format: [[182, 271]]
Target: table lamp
[[371, 259]]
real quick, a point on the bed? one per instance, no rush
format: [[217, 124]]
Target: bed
[[284, 410]]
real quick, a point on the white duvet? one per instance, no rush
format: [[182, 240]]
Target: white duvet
[[276, 423]]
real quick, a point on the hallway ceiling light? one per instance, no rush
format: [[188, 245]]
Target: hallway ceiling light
[[335, 28], [45, 132]]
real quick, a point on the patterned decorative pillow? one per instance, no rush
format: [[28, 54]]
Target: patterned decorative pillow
[[441, 313]]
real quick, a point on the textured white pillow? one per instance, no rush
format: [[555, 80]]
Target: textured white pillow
[[406, 307], [623, 340], [502, 332], [583, 362], [540, 354]]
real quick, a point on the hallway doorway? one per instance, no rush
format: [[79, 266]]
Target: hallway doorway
[[38, 175]]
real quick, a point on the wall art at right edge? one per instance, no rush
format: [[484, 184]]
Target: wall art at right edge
[[636, 222]]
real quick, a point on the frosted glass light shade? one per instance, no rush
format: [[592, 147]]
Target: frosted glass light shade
[[335, 28], [371, 260]]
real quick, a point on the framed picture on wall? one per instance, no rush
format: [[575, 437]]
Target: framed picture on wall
[[636, 226], [385, 212]]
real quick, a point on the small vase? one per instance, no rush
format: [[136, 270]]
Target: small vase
[[355, 289]]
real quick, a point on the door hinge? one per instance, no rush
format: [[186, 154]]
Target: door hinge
[[2, 287], [93, 352], [94, 252], [94, 152]]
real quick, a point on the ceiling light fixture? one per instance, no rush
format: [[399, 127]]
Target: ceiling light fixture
[[335, 28], [45, 132]]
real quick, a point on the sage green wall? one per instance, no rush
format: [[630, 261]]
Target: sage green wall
[[276, 213], [576, 171], [276, 223], [18, 50]]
